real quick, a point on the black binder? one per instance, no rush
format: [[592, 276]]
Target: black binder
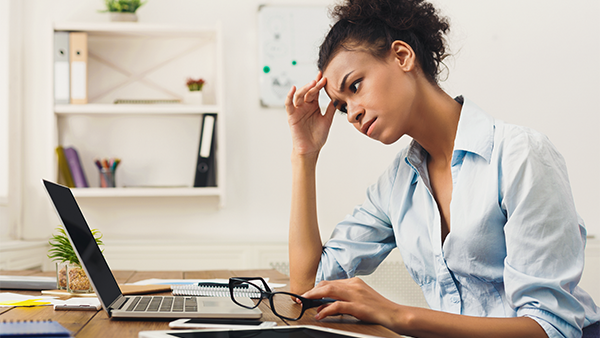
[[206, 170]]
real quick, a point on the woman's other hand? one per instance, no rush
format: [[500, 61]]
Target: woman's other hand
[[356, 298], [308, 125]]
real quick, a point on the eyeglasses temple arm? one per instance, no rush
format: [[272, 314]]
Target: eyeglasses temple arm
[[318, 302], [267, 288]]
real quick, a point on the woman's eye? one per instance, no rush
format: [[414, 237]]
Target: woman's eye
[[354, 86], [340, 107]]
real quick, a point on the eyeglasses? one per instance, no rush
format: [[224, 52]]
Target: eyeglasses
[[282, 303]]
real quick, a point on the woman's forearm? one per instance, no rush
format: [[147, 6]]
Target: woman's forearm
[[419, 322], [358, 299], [305, 244]]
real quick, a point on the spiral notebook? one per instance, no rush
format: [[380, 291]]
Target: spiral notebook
[[208, 289]]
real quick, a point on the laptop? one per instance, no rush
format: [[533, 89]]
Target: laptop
[[112, 299]]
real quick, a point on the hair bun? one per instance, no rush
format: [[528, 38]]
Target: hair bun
[[377, 23]]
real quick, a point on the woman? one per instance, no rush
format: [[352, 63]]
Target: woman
[[480, 210]]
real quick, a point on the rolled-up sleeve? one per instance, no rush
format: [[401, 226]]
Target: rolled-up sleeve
[[544, 236], [363, 239]]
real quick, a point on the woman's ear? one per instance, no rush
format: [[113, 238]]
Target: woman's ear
[[404, 55]]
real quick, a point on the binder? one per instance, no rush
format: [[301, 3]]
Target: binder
[[76, 168], [62, 88], [64, 173], [39, 328], [78, 59], [206, 166]]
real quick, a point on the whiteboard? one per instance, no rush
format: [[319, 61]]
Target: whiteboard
[[288, 45]]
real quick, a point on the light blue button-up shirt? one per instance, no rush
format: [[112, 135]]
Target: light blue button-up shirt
[[516, 245]]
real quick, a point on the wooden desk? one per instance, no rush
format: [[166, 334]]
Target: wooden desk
[[84, 324]]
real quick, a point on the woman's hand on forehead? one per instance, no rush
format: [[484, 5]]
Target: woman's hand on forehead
[[308, 125], [309, 93]]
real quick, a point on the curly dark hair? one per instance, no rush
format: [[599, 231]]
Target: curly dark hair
[[375, 24]]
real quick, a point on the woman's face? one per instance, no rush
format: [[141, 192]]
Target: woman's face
[[376, 94]]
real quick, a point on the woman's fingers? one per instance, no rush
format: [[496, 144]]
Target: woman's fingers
[[289, 99], [313, 93], [309, 127], [327, 289], [345, 290], [331, 310], [354, 297], [300, 94], [310, 91]]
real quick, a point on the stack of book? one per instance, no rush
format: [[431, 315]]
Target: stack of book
[[70, 170]]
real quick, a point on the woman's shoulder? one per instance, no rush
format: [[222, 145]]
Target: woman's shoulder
[[524, 143], [508, 131]]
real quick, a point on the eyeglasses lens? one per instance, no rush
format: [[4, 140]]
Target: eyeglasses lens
[[286, 306], [243, 290]]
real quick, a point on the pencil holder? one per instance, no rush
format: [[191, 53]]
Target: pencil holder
[[107, 178]]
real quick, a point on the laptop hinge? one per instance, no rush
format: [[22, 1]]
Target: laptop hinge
[[117, 304]]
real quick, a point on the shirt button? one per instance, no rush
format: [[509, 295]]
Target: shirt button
[[455, 300]]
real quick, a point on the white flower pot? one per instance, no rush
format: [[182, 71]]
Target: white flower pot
[[121, 17], [194, 97]]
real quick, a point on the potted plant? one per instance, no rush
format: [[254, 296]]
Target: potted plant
[[70, 275], [123, 10], [194, 93]]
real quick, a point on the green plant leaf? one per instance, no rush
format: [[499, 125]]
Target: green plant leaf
[[61, 249], [125, 6]]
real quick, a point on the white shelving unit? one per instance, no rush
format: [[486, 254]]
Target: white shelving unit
[[157, 143], [172, 109], [145, 192]]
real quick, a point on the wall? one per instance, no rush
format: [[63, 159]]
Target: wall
[[522, 62], [536, 65], [10, 117], [4, 233]]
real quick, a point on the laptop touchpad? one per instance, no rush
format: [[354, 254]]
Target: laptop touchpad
[[210, 303]]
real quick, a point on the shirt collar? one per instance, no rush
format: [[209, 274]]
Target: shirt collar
[[475, 134], [475, 131]]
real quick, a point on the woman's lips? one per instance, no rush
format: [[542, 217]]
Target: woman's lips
[[367, 128]]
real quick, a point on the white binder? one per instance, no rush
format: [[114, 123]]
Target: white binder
[[62, 90], [78, 58]]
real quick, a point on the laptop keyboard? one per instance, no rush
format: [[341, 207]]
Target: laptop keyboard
[[163, 304]]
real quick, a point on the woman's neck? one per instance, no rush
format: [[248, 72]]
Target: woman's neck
[[435, 121]]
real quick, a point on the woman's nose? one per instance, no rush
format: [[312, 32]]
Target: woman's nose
[[355, 113]]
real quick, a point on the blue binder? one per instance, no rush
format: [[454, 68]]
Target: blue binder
[[44, 328]]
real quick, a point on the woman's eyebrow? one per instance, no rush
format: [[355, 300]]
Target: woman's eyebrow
[[343, 84]]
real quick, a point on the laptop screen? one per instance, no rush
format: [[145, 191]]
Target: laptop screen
[[84, 243]]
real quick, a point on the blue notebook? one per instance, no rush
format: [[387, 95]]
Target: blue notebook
[[22, 328]]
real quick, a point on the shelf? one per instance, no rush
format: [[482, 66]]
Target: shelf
[[158, 142], [145, 192], [134, 28], [168, 109]]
